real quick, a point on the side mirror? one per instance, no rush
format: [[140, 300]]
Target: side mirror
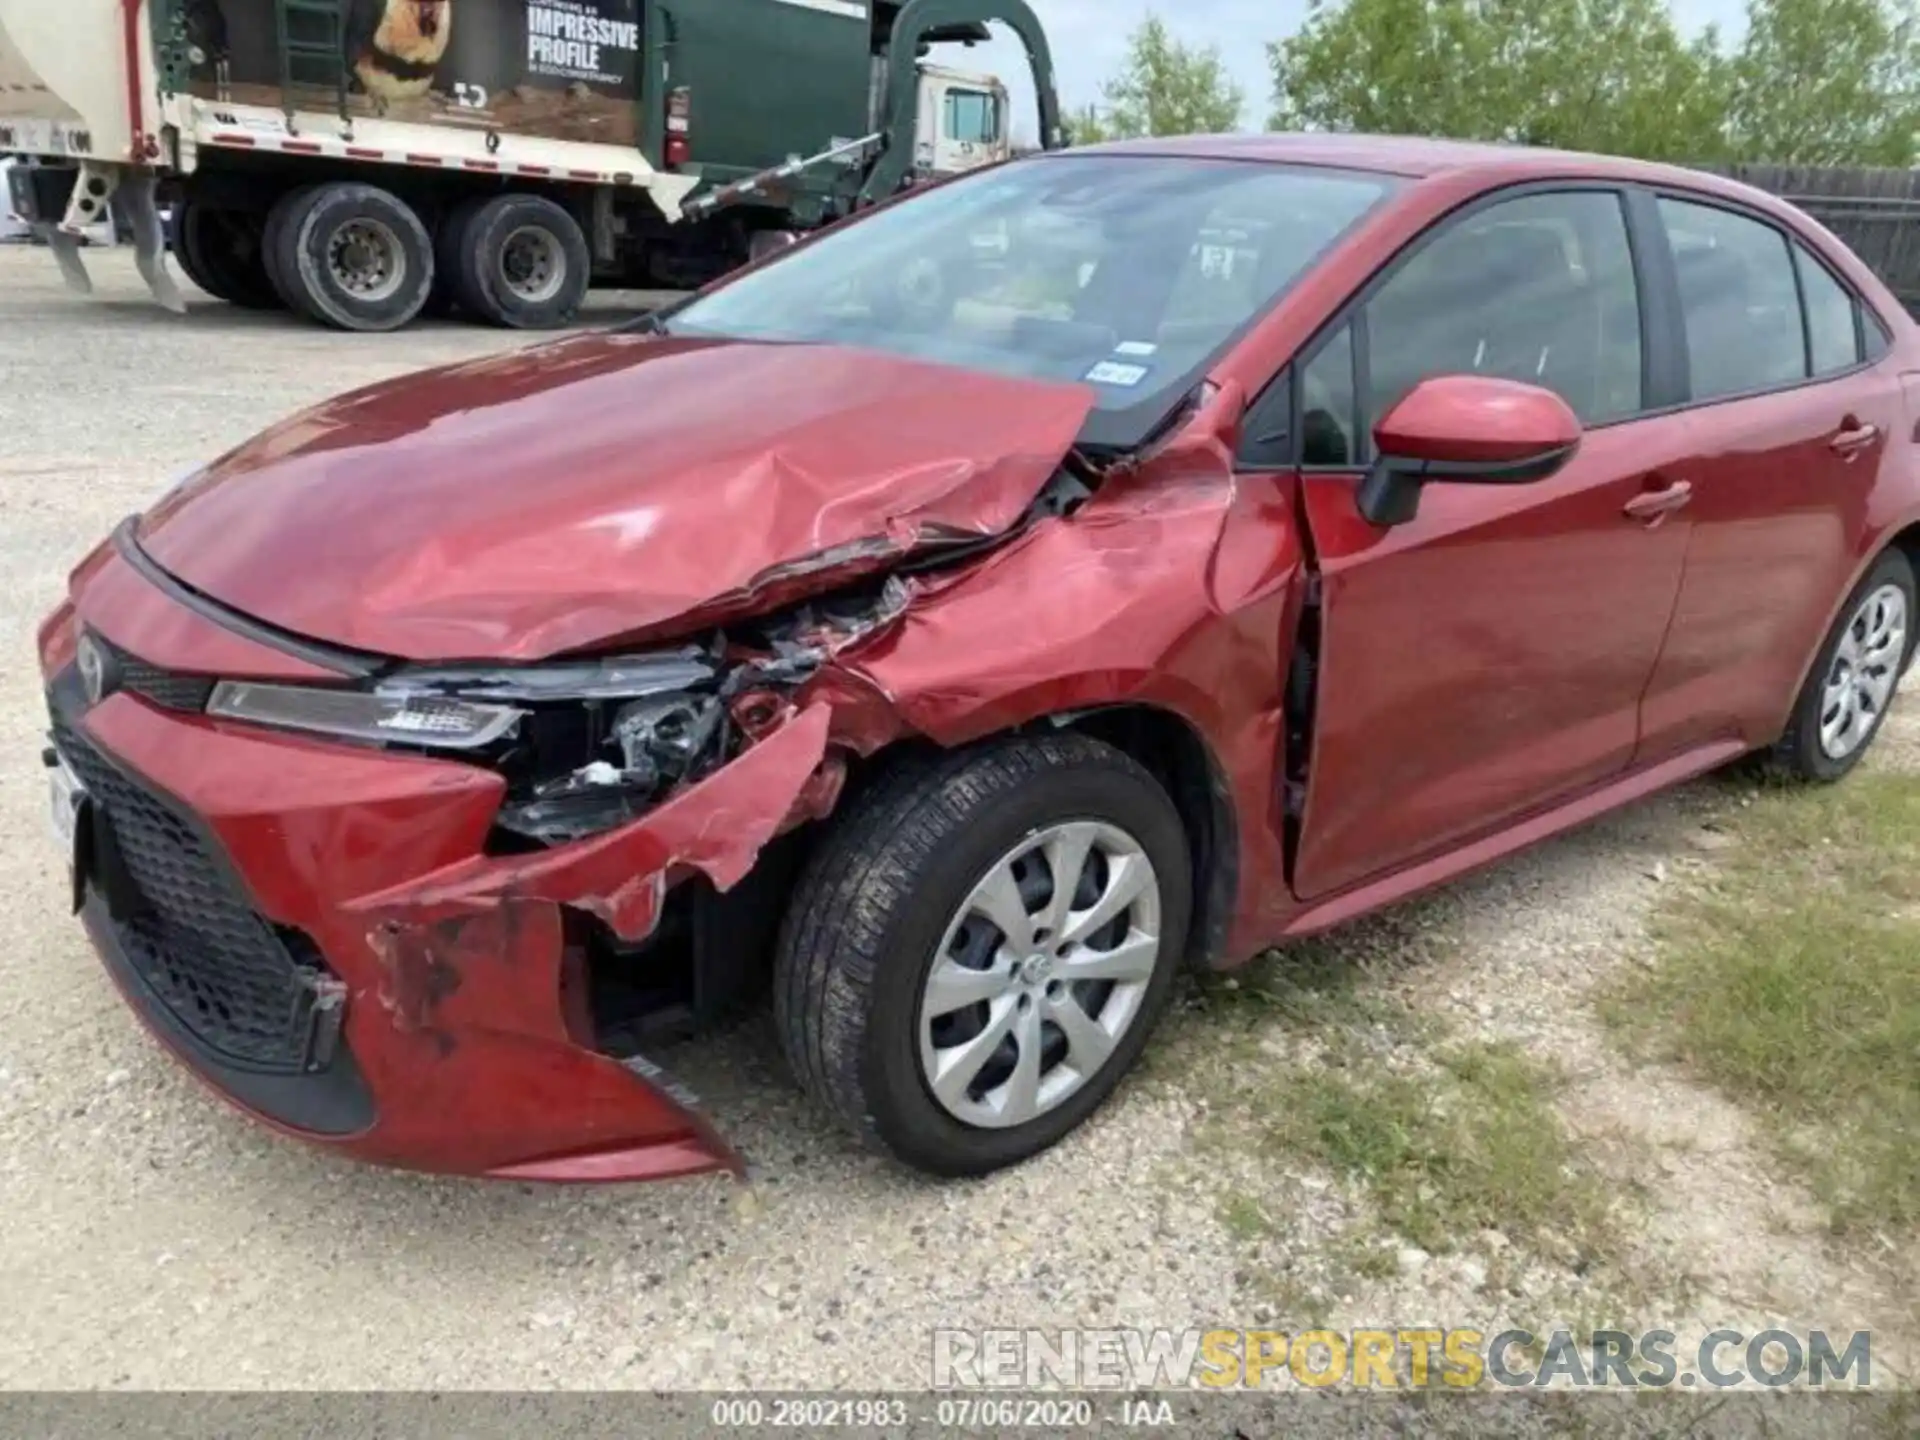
[[1465, 429]]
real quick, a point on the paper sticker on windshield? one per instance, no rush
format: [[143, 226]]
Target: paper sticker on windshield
[[1139, 348], [1111, 372]]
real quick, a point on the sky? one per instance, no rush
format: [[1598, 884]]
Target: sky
[[1089, 39]]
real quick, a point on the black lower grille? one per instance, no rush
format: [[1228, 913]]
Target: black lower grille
[[169, 689], [188, 693], [255, 994]]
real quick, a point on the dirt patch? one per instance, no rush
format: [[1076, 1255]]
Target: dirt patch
[[1703, 1228]]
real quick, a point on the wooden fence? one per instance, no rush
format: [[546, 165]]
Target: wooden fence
[[1877, 212]]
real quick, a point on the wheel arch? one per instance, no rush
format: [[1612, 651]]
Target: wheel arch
[[1175, 753], [1907, 542], [1170, 747], [1902, 537]]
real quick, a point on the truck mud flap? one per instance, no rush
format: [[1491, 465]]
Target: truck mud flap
[[66, 253], [89, 203]]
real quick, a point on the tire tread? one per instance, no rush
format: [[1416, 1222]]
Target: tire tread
[[863, 875]]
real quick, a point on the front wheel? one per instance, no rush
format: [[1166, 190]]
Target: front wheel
[[981, 948], [1846, 696]]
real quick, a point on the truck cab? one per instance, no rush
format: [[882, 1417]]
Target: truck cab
[[964, 122]]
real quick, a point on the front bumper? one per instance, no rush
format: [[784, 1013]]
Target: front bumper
[[329, 946]]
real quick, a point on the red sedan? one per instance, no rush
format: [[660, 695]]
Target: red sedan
[[1116, 561]]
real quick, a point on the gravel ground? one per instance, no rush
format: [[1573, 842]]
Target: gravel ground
[[166, 1242]]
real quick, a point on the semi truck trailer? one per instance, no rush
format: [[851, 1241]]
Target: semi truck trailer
[[362, 161]]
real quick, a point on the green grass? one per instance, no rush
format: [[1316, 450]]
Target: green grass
[[1243, 1218], [1447, 1139], [1474, 1145], [1792, 984]]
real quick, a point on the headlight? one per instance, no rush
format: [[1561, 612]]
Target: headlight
[[625, 677], [436, 721], [585, 745], [660, 742]]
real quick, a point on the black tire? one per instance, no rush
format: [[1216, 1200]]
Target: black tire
[[183, 255], [223, 252], [475, 240], [303, 249], [873, 906], [445, 299], [1800, 754], [282, 213]]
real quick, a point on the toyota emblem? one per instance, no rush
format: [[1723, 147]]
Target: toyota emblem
[[94, 669]]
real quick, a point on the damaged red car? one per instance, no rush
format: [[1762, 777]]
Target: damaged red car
[[1113, 562]]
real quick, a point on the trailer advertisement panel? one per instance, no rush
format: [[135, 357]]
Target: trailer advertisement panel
[[559, 69]]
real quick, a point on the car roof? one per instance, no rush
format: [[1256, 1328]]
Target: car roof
[[1420, 157]]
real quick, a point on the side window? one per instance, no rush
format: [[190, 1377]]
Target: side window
[[1329, 422], [1738, 300], [970, 117], [1266, 435], [1833, 339], [1539, 288], [1874, 335]]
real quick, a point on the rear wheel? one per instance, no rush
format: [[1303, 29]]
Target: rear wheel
[[981, 947], [182, 255], [223, 252], [519, 261], [444, 301], [357, 256], [272, 237], [1846, 697], [770, 242]]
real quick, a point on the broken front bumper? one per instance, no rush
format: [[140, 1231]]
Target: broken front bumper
[[316, 930]]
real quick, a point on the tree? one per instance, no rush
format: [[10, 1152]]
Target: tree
[[1085, 127], [1605, 75], [1164, 88], [1827, 82]]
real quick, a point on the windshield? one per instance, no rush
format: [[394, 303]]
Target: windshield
[[1130, 273]]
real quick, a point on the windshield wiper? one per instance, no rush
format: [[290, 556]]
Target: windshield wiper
[[654, 322]]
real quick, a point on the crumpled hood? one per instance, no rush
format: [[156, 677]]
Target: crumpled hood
[[605, 489]]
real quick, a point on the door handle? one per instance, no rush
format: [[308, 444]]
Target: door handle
[[1853, 438], [1653, 506]]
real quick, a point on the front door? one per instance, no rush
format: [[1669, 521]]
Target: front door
[[1489, 657]]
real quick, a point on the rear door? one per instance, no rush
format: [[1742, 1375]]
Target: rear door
[[1488, 658], [1793, 409]]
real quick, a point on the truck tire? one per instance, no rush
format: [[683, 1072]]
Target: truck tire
[[223, 252], [763, 243], [182, 256], [445, 299], [893, 973], [282, 211], [520, 261], [356, 257]]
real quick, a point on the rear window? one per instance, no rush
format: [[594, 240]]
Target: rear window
[[1833, 322], [1739, 298], [1129, 273]]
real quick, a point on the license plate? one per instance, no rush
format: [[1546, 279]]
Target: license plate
[[66, 796]]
